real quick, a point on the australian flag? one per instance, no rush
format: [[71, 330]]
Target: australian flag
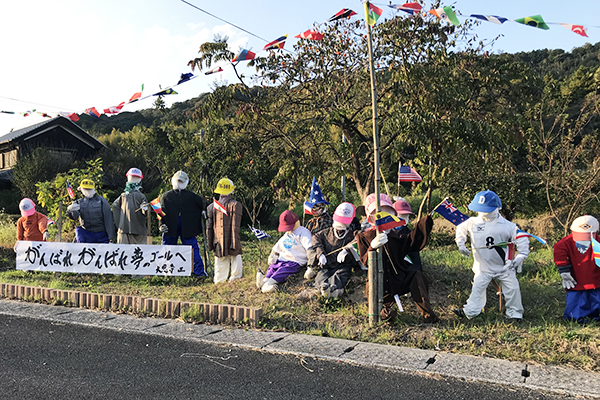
[[451, 213], [260, 235]]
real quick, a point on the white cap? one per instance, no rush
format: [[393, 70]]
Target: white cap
[[585, 224], [27, 207]]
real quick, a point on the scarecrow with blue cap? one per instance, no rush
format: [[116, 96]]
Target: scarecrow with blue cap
[[493, 240]]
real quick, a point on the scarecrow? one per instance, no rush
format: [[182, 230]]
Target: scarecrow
[[317, 207], [32, 225], [398, 278], [492, 241], [403, 210], [224, 219], [335, 260], [94, 215], [575, 257], [288, 255], [129, 211], [183, 212]]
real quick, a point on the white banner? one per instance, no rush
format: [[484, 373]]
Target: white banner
[[94, 258]]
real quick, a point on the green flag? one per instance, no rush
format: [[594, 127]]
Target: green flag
[[535, 20], [372, 13]]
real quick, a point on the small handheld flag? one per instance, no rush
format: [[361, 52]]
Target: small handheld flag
[[155, 204], [260, 235], [219, 207], [596, 251], [451, 213], [408, 174], [70, 190], [521, 234], [385, 221]]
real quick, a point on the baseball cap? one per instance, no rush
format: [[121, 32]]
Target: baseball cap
[[27, 207], [287, 221]]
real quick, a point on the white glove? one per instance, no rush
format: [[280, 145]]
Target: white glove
[[272, 258], [322, 260], [204, 214], [144, 207], [509, 265], [464, 251], [309, 274], [518, 263], [46, 236], [567, 280], [73, 207], [163, 228], [379, 240], [342, 256]]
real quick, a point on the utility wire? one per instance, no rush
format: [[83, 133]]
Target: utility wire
[[37, 104]]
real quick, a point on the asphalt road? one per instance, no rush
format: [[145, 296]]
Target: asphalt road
[[49, 360]]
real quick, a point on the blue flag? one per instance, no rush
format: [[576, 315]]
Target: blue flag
[[260, 235], [451, 213]]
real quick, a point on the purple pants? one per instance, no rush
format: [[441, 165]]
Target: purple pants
[[282, 269]]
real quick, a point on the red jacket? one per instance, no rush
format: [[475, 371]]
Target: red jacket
[[583, 268]]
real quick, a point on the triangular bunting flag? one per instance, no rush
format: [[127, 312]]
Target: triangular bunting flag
[[114, 109], [213, 70], [165, 92], [578, 29], [310, 35], [92, 112], [411, 8], [344, 13], [491, 18], [535, 20], [447, 14], [244, 55], [136, 96], [277, 43]]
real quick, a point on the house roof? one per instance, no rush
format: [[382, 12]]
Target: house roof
[[26, 133]]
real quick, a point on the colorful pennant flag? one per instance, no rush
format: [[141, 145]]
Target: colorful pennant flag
[[244, 55], [7, 112], [157, 207], [578, 29], [410, 8], [310, 35], [447, 14], [43, 114], [70, 190], [213, 70], [535, 20], [277, 43], [372, 13], [451, 213], [344, 13], [165, 92], [521, 234], [28, 113], [136, 96], [491, 18], [596, 251], [408, 174], [260, 235], [92, 112], [114, 109], [185, 78], [72, 116], [219, 207], [385, 221]]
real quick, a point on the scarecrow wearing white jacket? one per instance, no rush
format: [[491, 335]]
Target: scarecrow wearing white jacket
[[492, 238]]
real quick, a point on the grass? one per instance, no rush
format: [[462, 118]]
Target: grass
[[543, 337]]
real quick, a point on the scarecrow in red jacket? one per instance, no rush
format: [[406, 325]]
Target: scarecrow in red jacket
[[574, 257]]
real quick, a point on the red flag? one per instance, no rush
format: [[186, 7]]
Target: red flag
[[72, 116], [70, 190], [155, 204], [136, 96], [344, 13], [219, 207], [310, 35], [578, 29], [92, 112], [114, 109]]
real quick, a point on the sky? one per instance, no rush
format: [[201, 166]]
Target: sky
[[69, 55]]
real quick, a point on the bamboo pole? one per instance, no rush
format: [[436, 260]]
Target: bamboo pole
[[59, 222], [375, 297]]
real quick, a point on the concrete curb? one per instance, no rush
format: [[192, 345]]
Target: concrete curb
[[431, 363], [214, 313]]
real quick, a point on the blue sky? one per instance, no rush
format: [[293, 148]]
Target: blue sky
[[68, 55]]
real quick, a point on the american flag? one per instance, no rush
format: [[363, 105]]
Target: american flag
[[408, 174], [260, 235], [70, 190]]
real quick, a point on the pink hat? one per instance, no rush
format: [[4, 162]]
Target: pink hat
[[27, 207], [371, 204], [287, 221], [344, 213], [402, 207], [135, 172]]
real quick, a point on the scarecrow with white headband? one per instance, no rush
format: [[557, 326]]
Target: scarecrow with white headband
[[492, 239], [129, 211], [335, 260], [288, 255], [32, 225], [574, 257], [183, 212], [94, 215], [398, 278], [224, 219]]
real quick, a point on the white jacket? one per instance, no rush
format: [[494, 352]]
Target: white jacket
[[483, 236]]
